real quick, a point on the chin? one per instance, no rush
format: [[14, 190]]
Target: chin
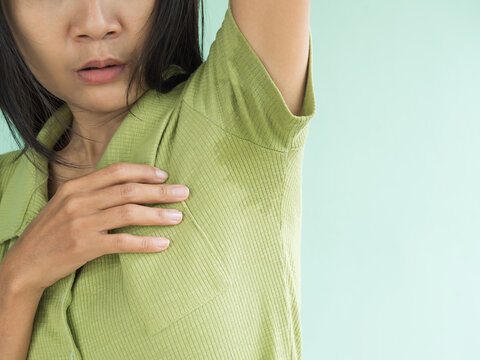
[[104, 98]]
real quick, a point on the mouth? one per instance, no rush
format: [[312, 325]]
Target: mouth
[[99, 75], [100, 63], [96, 68]]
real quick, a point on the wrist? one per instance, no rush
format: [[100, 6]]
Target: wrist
[[14, 285]]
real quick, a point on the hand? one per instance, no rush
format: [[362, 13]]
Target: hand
[[72, 228]]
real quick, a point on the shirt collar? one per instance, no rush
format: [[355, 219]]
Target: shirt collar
[[136, 140]]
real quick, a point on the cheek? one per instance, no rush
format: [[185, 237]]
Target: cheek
[[136, 18], [50, 72], [42, 49], [46, 61]]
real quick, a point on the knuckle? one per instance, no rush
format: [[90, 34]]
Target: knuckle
[[117, 170], [120, 243], [144, 244], [128, 211], [128, 190], [72, 204], [162, 214], [162, 191], [66, 188]]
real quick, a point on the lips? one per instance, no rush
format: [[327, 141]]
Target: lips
[[103, 75], [100, 63]]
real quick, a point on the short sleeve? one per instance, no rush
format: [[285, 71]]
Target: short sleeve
[[233, 89]]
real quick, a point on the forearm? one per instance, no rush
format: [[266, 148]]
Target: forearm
[[17, 312]]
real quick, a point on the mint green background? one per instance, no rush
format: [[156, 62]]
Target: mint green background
[[391, 206]]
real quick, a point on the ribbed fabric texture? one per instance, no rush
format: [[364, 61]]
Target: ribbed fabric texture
[[228, 287]]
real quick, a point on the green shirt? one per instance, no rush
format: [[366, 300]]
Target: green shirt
[[228, 286]]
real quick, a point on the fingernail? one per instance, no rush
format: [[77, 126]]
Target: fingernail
[[174, 214], [180, 191], [161, 243], [161, 174]]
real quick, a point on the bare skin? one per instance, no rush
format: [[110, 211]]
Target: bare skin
[[73, 227], [55, 39], [82, 31], [54, 181], [58, 174], [71, 230]]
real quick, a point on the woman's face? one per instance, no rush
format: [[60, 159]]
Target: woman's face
[[57, 37]]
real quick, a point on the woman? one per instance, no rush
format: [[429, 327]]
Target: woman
[[80, 276]]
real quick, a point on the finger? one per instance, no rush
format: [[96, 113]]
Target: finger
[[116, 173], [128, 243], [133, 214], [133, 193]]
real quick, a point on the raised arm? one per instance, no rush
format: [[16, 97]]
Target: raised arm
[[278, 31]]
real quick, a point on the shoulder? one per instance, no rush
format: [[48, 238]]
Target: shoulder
[[7, 166], [7, 160], [234, 89]]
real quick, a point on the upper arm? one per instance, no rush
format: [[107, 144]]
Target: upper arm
[[278, 32]]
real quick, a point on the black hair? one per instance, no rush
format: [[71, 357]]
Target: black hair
[[26, 105]]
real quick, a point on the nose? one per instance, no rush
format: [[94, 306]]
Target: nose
[[95, 20]]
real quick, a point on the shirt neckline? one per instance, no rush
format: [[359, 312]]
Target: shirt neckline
[[136, 140]]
